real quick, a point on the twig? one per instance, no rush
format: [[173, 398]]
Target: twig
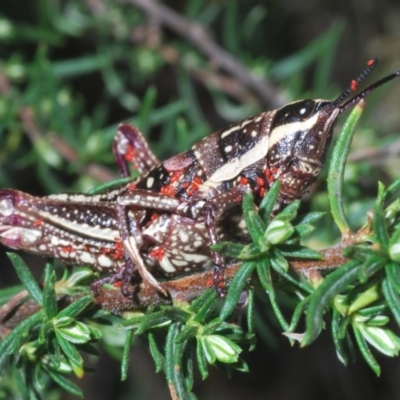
[[190, 287], [197, 35], [183, 289]]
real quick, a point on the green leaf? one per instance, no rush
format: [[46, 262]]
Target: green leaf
[[358, 252], [393, 188], [76, 308], [392, 270], [187, 332], [364, 299], [253, 251], [26, 277], [278, 261], [65, 383], [340, 343], [264, 274], [212, 326], [254, 223], [158, 357], [394, 243], [366, 353], [379, 227], [304, 229], [77, 332], [54, 351], [370, 267], [298, 312], [173, 363], [224, 350], [268, 202], [337, 166], [309, 218], [176, 314], [371, 311], [333, 284], [383, 340], [278, 231], [201, 359], [235, 288], [210, 301], [12, 342], [343, 344], [38, 378], [72, 355], [207, 350], [188, 374], [49, 297], [289, 212], [151, 321], [300, 252], [392, 298], [229, 249], [281, 266], [125, 355], [250, 312]]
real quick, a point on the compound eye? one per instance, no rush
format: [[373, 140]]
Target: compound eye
[[303, 109]]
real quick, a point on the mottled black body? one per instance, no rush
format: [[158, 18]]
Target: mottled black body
[[166, 220]]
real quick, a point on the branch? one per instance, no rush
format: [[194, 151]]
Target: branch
[[197, 35]]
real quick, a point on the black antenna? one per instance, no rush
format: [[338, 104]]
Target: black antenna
[[371, 64], [368, 90]]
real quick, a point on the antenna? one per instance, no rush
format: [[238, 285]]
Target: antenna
[[371, 64], [368, 90]]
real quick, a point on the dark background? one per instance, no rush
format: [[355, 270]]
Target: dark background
[[142, 53]]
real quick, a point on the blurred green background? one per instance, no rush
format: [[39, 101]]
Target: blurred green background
[[71, 70]]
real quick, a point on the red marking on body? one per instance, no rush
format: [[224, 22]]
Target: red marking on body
[[197, 180], [194, 186], [353, 85], [209, 282], [117, 284], [130, 154], [157, 253], [38, 222], [168, 190], [370, 62], [191, 190], [118, 250], [67, 249], [243, 180], [260, 181], [154, 216], [174, 176], [132, 186], [261, 192], [106, 251], [270, 174], [86, 247]]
